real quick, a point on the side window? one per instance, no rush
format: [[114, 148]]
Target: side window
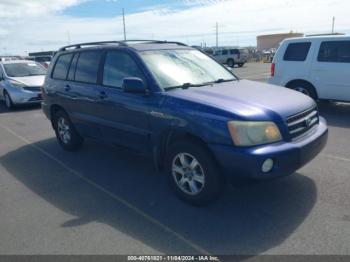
[[334, 51], [72, 67], [61, 67], [87, 67], [297, 51], [224, 52], [117, 66], [234, 52]]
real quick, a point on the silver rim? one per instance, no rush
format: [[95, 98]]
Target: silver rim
[[7, 101], [63, 130], [302, 90], [188, 173]]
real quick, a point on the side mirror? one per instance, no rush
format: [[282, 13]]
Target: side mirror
[[133, 85]]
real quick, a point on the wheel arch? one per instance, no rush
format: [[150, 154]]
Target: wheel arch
[[168, 137], [301, 81], [53, 110]]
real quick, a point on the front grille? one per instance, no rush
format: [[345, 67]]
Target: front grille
[[32, 88], [300, 123]]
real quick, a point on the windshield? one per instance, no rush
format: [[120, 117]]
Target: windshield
[[178, 67], [24, 69]]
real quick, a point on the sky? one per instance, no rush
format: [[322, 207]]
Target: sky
[[40, 25]]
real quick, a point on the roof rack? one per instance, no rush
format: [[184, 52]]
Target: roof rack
[[121, 43], [154, 41], [77, 46]]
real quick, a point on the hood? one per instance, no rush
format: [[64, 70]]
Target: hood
[[247, 99], [30, 80]]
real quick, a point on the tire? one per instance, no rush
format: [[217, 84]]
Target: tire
[[8, 101], [241, 64], [305, 88], [66, 133], [203, 177], [231, 63]]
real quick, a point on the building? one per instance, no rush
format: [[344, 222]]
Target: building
[[267, 42]]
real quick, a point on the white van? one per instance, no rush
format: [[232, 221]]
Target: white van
[[316, 66]]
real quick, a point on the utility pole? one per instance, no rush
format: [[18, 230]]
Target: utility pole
[[124, 25], [333, 25], [68, 37], [217, 34]]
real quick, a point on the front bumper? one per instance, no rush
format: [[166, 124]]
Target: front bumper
[[239, 162], [20, 97]]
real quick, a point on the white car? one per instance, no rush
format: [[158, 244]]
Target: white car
[[20, 82], [316, 66]]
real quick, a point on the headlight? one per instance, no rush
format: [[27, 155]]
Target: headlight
[[246, 133], [17, 84]]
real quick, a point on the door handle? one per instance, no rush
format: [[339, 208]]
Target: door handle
[[103, 95], [67, 88]]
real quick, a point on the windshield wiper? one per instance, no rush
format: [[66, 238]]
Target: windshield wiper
[[221, 80], [186, 86]]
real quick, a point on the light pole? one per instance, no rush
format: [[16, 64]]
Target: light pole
[[124, 25]]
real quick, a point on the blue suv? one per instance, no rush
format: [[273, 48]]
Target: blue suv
[[198, 122]]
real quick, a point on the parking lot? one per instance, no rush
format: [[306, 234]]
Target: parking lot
[[103, 200]]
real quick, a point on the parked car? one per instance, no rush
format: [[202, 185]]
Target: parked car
[[173, 103], [316, 66], [20, 82], [231, 56]]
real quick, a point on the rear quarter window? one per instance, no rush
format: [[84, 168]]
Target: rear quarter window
[[334, 51], [61, 67], [297, 51]]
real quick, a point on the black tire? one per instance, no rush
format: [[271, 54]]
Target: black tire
[[305, 88], [241, 65], [231, 62], [213, 181], [8, 101], [75, 141]]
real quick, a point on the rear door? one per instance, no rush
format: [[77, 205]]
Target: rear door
[[331, 68], [81, 91]]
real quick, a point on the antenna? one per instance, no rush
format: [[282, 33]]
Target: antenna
[[333, 25]]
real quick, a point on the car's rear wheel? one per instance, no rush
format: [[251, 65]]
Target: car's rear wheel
[[66, 133], [240, 64], [231, 63], [305, 88], [193, 173], [8, 100]]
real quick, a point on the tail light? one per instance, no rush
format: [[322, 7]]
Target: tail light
[[273, 67]]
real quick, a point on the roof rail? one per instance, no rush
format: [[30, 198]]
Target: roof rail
[[122, 43], [153, 41], [77, 46]]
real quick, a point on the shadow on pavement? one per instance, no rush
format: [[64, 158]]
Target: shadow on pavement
[[336, 114], [3, 108], [247, 220]]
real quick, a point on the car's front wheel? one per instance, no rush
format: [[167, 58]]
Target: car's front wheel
[[65, 131], [193, 173], [8, 101]]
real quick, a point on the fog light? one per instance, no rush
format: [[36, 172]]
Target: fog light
[[267, 165]]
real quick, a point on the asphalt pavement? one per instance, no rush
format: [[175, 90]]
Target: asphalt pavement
[[104, 200]]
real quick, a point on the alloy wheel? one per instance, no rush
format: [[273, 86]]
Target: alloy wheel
[[64, 130], [188, 173]]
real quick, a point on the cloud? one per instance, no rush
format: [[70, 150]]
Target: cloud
[[239, 23], [33, 8]]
